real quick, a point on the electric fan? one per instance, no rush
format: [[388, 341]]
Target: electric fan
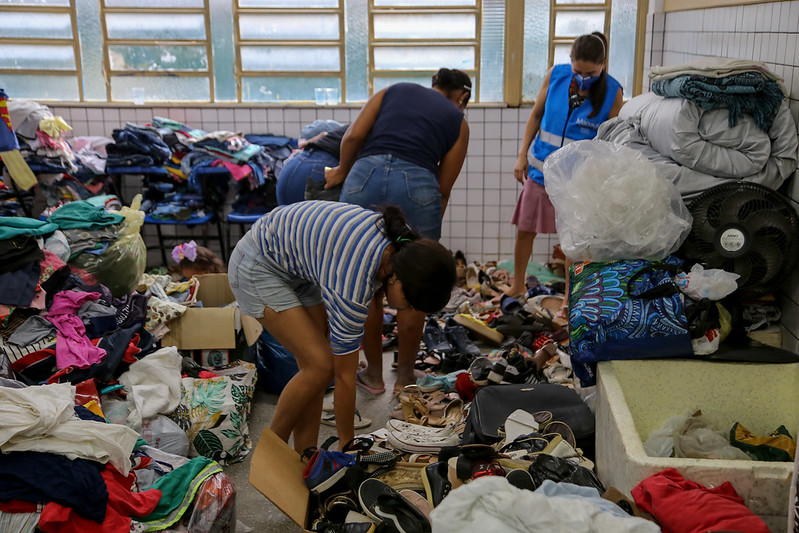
[[747, 229]]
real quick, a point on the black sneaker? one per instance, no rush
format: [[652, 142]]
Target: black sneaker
[[434, 337], [459, 338], [436, 482]]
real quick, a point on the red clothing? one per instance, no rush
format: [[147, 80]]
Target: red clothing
[[683, 506], [122, 504]]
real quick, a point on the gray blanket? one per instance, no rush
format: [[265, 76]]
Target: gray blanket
[[696, 149]]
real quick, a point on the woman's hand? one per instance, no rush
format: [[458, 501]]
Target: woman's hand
[[334, 176], [520, 169]]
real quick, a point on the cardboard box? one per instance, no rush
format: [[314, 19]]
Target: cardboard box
[[636, 397], [212, 326], [276, 471]]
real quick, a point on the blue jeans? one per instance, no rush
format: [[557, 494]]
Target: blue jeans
[[304, 166], [385, 179]]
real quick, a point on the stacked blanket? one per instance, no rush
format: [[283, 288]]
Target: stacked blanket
[[696, 148]]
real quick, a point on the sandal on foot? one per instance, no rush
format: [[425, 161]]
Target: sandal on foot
[[329, 419], [362, 384]]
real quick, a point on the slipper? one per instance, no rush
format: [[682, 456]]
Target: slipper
[[387, 506], [362, 384], [360, 422]]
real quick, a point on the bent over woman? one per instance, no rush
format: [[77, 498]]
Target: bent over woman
[[308, 273]]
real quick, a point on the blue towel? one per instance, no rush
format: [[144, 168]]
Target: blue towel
[[748, 92]]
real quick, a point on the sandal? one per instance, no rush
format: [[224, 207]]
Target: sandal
[[329, 419]]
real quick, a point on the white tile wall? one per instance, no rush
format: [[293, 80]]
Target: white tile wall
[[767, 32]]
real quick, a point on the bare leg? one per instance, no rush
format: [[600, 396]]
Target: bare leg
[[563, 312], [372, 344], [302, 331], [522, 250], [410, 325]]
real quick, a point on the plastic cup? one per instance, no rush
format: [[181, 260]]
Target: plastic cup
[[331, 96], [319, 96]]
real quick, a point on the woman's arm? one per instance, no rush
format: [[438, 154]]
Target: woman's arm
[[617, 103], [354, 140], [530, 130], [450, 166], [344, 369]]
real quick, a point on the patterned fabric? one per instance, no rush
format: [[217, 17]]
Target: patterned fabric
[[214, 413], [606, 322]]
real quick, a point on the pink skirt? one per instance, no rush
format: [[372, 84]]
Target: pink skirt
[[534, 211]]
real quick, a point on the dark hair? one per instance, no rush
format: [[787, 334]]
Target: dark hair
[[424, 267], [593, 47], [206, 262], [453, 80]]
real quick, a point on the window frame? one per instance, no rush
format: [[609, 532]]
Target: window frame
[[73, 42]]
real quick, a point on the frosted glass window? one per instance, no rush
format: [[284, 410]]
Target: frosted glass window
[[283, 89], [561, 54], [560, 2], [424, 57], [420, 3], [426, 26], [161, 88], [492, 53], [381, 82], [289, 27], [536, 47], [154, 3], [158, 58], [37, 57], [155, 26], [622, 43], [36, 87], [34, 3], [283, 3], [290, 58], [576, 23], [30, 25], [356, 50]]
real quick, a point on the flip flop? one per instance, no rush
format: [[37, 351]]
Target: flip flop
[[360, 422], [362, 384]]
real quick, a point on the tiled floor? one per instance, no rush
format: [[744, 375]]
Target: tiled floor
[[252, 508]]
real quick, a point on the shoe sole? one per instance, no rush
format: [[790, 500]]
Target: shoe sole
[[486, 333], [329, 482]]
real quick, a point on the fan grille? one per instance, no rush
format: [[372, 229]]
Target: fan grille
[[747, 229]]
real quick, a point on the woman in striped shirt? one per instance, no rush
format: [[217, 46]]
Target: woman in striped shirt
[[308, 272]]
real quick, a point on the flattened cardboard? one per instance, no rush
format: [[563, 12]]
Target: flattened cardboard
[[212, 326], [276, 471]]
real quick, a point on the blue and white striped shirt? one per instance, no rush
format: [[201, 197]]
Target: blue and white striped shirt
[[337, 246]]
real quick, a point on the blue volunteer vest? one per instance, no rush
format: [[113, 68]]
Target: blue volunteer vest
[[552, 134]]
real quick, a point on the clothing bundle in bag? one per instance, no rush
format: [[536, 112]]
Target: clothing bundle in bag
[[625, 310], [492, 406]]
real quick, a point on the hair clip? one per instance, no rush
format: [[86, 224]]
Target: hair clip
[[185, 251]]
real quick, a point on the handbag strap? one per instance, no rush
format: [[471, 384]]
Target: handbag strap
[[661, 291]]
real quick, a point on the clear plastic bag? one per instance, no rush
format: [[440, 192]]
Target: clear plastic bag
[[214, 509], [123, 262], [712, 283], [695, 438], [610, 205]]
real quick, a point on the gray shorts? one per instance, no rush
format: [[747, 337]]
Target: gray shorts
[[257, 282]]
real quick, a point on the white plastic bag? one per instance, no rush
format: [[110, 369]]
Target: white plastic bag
[[713, 283], [610, 205]]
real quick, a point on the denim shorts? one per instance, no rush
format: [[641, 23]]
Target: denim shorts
[[377, 180], [257, 282]]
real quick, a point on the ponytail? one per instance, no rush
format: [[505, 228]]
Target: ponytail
[[424, 267]]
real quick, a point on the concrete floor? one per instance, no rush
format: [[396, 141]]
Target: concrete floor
[[252, 508]]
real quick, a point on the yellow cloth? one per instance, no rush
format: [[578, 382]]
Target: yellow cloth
[[54, 126], [18, 169]]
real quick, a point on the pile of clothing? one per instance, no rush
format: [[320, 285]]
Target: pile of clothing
[[711, 121], [102, 428]]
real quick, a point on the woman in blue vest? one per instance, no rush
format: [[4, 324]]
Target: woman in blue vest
[[573, 101]]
